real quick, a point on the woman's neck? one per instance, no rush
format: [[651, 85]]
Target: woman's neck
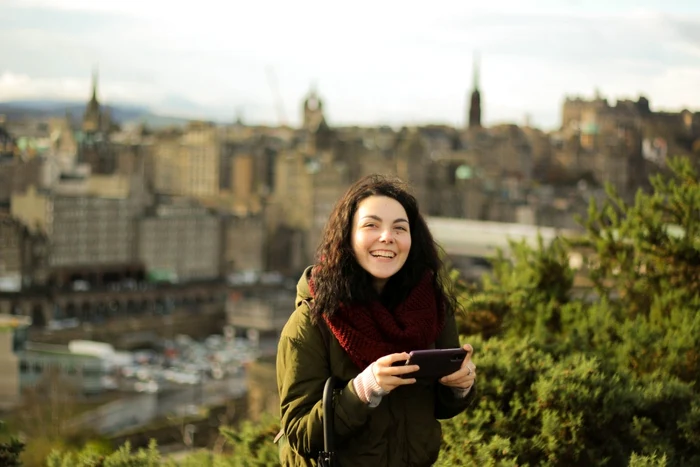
[[379, 284]]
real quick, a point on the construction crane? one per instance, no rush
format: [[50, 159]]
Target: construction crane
[[276, 97]]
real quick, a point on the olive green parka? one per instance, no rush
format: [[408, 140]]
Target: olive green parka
[[403, 430]]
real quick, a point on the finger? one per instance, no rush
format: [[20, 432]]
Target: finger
[[395, 369], [387, 360], [460, 374], [392, 382], [470, 352], [459, 383], [457, 375], [468, 366], [403, 381], [400, 370]]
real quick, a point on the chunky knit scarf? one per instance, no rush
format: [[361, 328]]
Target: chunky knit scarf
[[372, 331]]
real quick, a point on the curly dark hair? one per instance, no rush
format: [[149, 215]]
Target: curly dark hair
[[339, 278]]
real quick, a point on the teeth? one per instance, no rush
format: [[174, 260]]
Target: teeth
[[383, 255]]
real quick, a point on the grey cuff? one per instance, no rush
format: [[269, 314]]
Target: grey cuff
[[461, 393]]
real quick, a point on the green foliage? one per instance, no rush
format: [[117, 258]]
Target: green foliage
[[10, 453], [251, 444], [605, 378], [91, 456], [648, 248], [525, 293], [537, 408], [647, 461]]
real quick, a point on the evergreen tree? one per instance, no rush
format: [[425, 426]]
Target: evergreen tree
[[10, 453]]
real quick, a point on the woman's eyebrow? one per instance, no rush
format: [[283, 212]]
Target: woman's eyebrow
[[377, 218]]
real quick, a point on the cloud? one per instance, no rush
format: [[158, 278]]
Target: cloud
[[372, 60]]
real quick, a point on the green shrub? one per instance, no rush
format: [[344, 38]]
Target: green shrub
[[537, 409], [93, 457], [10, 453]]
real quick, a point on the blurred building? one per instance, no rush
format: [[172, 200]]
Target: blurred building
[[94, 145], [244, 242], [22, 162], [247, 164], [90, 223], [11, 331], [180, 239], [264, 310], [474, 116], [96, 118], [22, 255], [186, 163], [624, 143], [11, 253]]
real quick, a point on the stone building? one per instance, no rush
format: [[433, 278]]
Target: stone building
[[243, 244], [180, 239], [186, 163], [89, 224], [94, 145], [10, 326], [11, 254]]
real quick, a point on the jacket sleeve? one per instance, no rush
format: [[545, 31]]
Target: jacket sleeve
[[302, 371], [447, 403]]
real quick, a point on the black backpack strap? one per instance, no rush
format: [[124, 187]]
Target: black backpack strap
[[326, 457]]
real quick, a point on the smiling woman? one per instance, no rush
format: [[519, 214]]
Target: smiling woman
[[375, 294], [381, 238]]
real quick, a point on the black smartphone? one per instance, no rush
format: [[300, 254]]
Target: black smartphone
[[434, 363]]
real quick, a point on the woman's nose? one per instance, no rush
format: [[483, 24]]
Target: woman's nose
[[387, 236]]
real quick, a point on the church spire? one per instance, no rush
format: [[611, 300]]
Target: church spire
[[475, 101], [92, 118], [94, 84]]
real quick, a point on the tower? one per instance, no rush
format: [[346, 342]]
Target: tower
[[475, 101], [313, 111], [93, 115]]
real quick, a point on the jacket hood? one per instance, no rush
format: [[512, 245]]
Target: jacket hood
[[303, 289]]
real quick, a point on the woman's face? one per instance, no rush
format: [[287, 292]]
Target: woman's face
[[381, 237]]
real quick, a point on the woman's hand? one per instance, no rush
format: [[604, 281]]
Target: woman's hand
[[389, 377], [465, 376]]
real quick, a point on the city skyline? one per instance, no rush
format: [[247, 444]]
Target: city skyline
[[390, 63]]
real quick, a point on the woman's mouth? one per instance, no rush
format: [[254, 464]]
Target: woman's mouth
[[382, 254]]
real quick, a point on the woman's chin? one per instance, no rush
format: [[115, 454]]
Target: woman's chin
[[383, 274]]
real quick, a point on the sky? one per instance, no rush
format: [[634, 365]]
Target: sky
[[372, 62]]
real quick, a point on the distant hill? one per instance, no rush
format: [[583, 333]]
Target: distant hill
[[123, 113]]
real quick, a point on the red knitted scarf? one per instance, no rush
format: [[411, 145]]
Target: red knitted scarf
[[372, 331]]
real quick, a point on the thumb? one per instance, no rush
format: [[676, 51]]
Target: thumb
[[470, 351]]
